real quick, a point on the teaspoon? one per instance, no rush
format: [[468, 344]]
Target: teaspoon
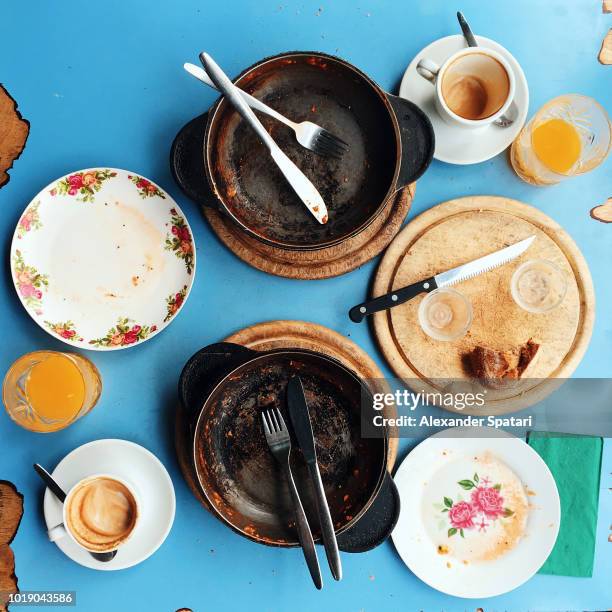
[[510, 116]]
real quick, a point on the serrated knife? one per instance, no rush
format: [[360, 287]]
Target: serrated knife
[[444, 279], [302, 186], [300, 419]]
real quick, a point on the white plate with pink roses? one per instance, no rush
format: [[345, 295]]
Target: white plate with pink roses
[[103, 259], [479, 514]]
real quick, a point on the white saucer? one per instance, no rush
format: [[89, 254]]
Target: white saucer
[[140, 468], [438, 475], [455, 145]]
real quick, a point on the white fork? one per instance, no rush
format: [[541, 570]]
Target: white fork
[[310, 135]]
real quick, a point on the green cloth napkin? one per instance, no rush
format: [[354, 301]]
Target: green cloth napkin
[[575, 463]]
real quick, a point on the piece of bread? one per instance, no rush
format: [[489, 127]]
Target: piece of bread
[[496, 368]]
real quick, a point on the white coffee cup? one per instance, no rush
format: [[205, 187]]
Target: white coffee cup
[[473, 87], [63, 529]]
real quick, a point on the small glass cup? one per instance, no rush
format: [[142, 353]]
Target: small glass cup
[[445, 314], [538, 286], [46, 391], [590, 123]]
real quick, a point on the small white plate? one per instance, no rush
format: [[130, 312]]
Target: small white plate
[[455, 145], [103, 259], [144, 471], [502, 491]]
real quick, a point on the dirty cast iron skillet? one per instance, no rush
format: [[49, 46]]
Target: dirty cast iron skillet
[[235, 470], [391, 144]]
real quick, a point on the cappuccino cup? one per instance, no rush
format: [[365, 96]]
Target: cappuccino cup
[[100, 513], [473, 87]]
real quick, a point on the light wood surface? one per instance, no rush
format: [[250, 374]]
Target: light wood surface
[[323, 263], [605, 53], [456, 232], [304, 335], [603, 212]]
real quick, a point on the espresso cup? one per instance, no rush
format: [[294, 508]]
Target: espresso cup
[[474, 86], [100, 513]]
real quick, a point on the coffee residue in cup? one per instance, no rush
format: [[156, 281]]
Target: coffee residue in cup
[[466, 95], [102, 513], [475, 86]]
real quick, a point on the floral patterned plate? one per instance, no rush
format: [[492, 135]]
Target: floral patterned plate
[[103, 259], [479, 514]]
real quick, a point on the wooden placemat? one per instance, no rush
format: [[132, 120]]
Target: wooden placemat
[[458, 231], [323, 263], [314, 337], [14, 130], [11, 511]]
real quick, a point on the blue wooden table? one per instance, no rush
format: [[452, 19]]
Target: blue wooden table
[[102, 85]]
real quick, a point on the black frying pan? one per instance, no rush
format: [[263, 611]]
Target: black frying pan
[[236, 472], [391, 144]]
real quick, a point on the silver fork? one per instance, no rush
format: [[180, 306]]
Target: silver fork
[[277, 436], [310, 135]]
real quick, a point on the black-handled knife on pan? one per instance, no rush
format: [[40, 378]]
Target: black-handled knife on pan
[[300, 419], [444, 279]]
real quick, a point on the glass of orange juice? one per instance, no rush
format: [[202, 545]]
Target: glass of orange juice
[[569, 135], [46, 391]]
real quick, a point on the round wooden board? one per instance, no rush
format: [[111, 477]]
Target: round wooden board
[[324, 263], [304, 335], [456, 232]]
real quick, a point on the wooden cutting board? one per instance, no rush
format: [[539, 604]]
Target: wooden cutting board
[[454, 233]]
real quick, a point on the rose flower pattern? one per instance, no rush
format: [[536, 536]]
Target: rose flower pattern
[[180, 240], [64, 330], [82, 184], [30, 282], [174, 302], [124, 334], [30, 220], [146, 188], [486, 504]]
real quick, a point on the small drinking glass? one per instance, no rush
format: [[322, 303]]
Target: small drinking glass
[[445, 314], [569, 135], [538, 286], [45, 391]]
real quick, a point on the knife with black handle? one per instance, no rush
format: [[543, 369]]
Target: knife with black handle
[[444, 279], [300, 419], [384, 302]]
